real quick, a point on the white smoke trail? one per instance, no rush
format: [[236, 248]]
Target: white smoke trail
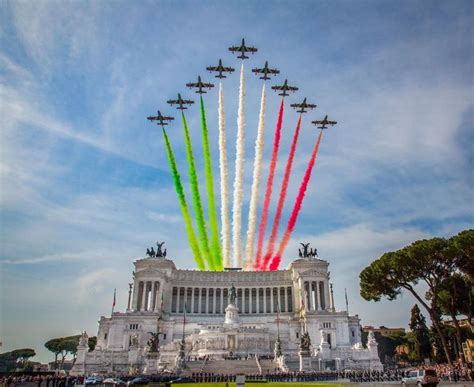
[[225, 233], [239, 174], [257, 172]]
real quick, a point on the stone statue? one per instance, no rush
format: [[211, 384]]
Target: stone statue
[[134, 340], [305, 342], [371, 338], [154, 341], [84, 339], [159, 252], [232, 294], [305, 249], [307, 252]]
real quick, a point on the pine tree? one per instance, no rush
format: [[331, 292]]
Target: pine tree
[[421, 334]]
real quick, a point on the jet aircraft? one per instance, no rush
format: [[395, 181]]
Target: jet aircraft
[[242, 49], [220, 69], [324, 123], [302, 106], [181, 102], [160, 118], [265, 71], [285, 88], [200, 85]]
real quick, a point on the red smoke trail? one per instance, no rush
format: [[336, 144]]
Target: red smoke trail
[[281, 200], [268, 189], [296, 209]]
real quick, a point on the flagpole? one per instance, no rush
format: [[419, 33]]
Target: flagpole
[[184, 319], [347, 302], [113, 303]]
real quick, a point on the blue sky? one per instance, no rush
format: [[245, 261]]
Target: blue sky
[[85, 187]]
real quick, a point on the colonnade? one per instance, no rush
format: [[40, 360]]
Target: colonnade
[[210, 300], [314, 295], [147, 296]]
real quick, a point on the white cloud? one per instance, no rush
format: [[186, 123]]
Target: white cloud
[[89, 284], [350, 248], [98, 255]]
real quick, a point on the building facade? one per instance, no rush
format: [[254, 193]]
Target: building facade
[[268, 305]]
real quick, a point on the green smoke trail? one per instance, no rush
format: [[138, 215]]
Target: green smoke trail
[[193, 243], [193, 179], [215, 243]]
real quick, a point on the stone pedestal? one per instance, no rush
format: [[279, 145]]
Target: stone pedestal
[[180, 361], [305, 360], [151, 363], [324, 347], [232, 318], [281, 361], [79, 367], [277, 350]]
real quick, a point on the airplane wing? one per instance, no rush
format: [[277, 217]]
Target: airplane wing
[[277, 87], [212, 68], [251, 49], [172, 102], [208, 85], [228, 69], [332, 122], [151, 118], [257, 70], [188, 101], [192, 85], [168, 118], [234, 48]]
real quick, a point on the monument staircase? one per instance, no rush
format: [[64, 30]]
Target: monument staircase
[[268, 366], [194, 367], [230, 367]]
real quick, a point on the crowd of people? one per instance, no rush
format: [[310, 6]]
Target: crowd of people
[[454, 372], [49, 380], [446, 372], [457, 372]]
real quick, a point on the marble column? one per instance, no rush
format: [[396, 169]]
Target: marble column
[[178, 288]]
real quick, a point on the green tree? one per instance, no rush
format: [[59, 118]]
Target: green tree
[[426, 261], [453, 298], [386, 345], [54, 345], [63, 346], [420, 334], [464, 244], [92, 342], [16, 359]]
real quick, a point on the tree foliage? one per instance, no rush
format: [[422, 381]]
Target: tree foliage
[[16, 359], [92, 342], [432, 262], [64, 346], [420, 335]]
